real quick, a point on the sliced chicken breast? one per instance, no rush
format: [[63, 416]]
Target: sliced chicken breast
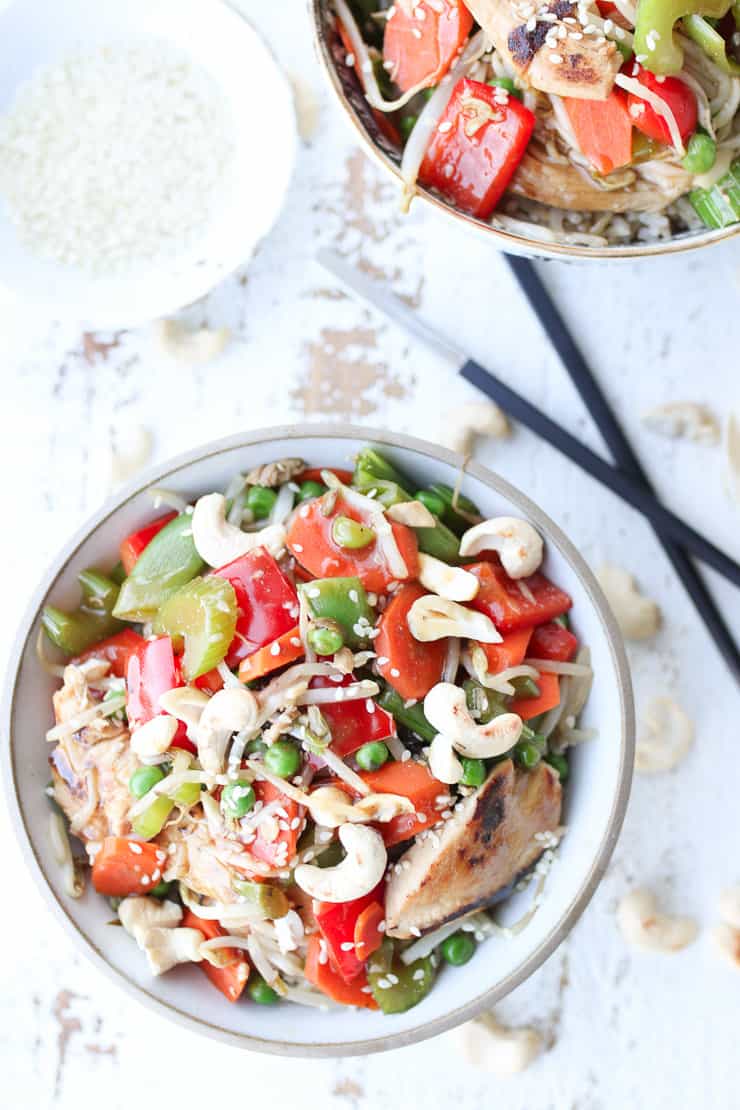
[[562, 186], [488, 841]]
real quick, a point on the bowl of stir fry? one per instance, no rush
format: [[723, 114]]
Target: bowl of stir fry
[[311, 720], [584, 129]]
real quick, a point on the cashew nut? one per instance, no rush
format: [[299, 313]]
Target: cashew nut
[[191, 348], [729, 906], [275, 473], [664, 738], [727, 940], [519, 545], [230, 710], [413, 514], [154, 927], [186, 703], [139, 913], [218, 542], [446, 709], [637, 616], [451, 583], [492, 1047], [464, 422], [434, 618], [154, 737], [330, 807], [643, 926], [443, 763], [359, 872], [683, 420], [732, 457]]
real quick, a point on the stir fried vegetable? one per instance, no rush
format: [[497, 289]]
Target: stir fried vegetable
[[719, 206], [168, 561], [92, 621]]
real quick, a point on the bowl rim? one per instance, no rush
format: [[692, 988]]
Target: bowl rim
[[506, 240], [553, 534]]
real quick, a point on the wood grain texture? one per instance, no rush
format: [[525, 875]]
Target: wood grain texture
[[623, 1029]]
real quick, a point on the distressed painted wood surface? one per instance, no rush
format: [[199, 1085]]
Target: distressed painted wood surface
[[622, 1029]]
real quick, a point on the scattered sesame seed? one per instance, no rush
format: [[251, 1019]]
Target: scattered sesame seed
[[556, 59], [135, 848], [298, 547]]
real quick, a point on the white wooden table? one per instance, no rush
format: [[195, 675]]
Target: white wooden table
[[622, 1029]]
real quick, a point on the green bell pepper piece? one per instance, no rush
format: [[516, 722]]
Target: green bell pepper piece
[[410, 716], [720, 205], [92, 621], [711, 42], [408, 986], [654, 40], [203, 613], [343, 600], [168, 562], [269, 901]]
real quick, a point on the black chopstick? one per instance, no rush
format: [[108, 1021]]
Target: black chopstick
[[621, 449]]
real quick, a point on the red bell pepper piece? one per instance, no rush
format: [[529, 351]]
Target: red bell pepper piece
[[337, 922], [330, 982], [502, 600], [132, 547], [311, 543], [509, 653], [153, 669], [552, 641], [476, 147], [211, 682], [677, 95], [117, 650], [267, 602], [277, 853], [231, 979], [410, 667], [603, 130], [351, 722], [421, 40]]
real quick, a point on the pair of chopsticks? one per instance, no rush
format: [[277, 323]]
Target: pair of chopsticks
[[627, 479]]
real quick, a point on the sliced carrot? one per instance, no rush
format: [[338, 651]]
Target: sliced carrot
[[413, 781], [124, 866], [313, 474], [231, 977], [510, 652], [331, 983], [603, 130], [368, 937], [549, 697], [410, 667], [267, 658], [421, 41]]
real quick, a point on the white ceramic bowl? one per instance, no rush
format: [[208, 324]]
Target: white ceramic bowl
[[35, 33], [595, 799]]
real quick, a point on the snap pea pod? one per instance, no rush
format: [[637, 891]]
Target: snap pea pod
[[451, 517], [203, 614], [371, 463], [719, 206], [654, 43], [92, 621], [712, 43], [269, 901], [410, 716], [343, 600], [166, 563], [407, 986]]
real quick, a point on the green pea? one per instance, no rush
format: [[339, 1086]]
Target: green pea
[[527, 754], [434, 503], [283, 759], [261, 992], [372, 756], [701, 153], [260, 501], [325, 639], [474, 772], [506, 83], [350, 533], [143, 779], [457, 949], [162, 889], [406, 126], [559, 763], [237, 798], [309, 490]]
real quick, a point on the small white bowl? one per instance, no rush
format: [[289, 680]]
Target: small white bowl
[[596, 796], [35, 33]]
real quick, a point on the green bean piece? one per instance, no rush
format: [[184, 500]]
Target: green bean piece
[[151, 822], [525, 687], [372, 756], [351, 534], [474, 772], [309, 490], [203, 614], [458, 948], [168, 562], [406, 125], [701, 153], [237, 798], [410, 716], [283, 759], [440, 542], [143, 780], [93, 619], [408, 983], [268, 900], [559, 763], [506, 83], [451, 517], [261, 992], [344, 601], [527, 754], [260, 501], [433, 502], [483, 704]]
